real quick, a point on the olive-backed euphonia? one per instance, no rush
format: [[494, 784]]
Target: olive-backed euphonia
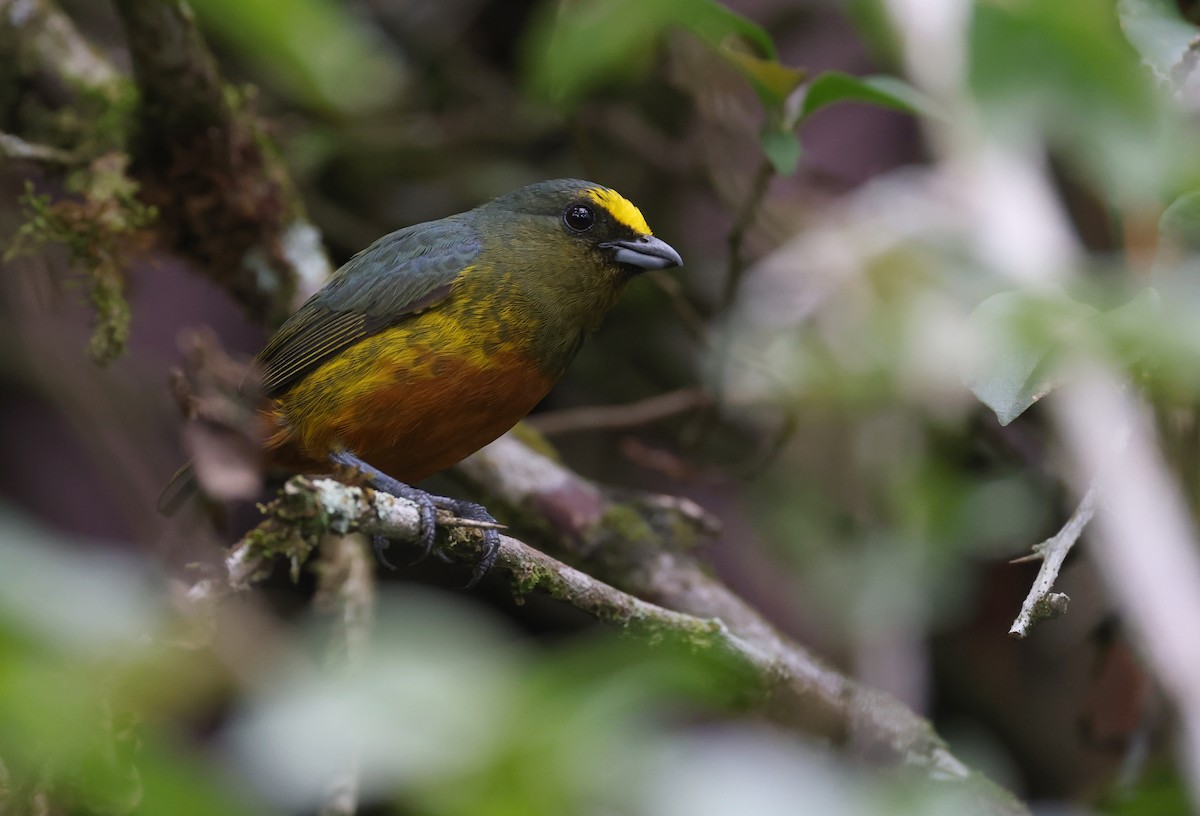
[[441, 336]]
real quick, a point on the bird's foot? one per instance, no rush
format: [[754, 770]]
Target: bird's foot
[[427, 506], [477, 516]]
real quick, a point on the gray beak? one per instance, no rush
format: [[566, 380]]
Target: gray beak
[[646, 252]]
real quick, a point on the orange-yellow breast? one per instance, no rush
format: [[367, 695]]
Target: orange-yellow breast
[[416, 398]]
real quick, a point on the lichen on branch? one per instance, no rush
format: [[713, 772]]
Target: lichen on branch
[[101, 227]]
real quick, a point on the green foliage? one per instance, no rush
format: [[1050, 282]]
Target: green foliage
[[86, 684], [576, 48], [1160, 792], [1033, 341], [316, 51], [1179, 225], [832, 87], [1024, 334], [1065, 71]]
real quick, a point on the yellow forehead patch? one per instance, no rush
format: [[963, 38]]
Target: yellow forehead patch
[[620, 208]]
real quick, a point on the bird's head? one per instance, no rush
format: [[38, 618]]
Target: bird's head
[[576, 223], [563, 251]]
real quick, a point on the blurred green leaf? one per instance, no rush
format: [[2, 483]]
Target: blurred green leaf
[[1179, 225], [832, 87], [1021, 332], [75, 626], [317, 51], [1065, 72], [573, 48], [782, 148], [1158, 31], [83, 604], [1159, 792], [773, 81], [449, 714], [713, 22], [1025, 335], [1068, 53], [1127, 330], [429, 702]]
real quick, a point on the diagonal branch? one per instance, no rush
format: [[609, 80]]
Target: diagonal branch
[[794, 688], [1042, 602], [640, 545], [38, 37]]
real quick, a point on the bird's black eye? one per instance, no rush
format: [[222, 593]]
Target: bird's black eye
[[579, 217]]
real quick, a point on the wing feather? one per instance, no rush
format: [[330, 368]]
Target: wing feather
[[401, 274]]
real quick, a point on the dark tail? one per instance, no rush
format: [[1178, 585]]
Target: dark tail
[[177, 492]]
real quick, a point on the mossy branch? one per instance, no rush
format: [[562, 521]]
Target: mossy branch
[[791, 687], [310, 510], [198, 154], [205, 161], [641, 545], [100, 229]]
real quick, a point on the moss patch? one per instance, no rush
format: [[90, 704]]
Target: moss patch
[[100, 226]]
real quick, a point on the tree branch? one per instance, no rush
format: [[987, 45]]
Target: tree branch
[[795, 689], [617, 417], [640, 545], [226, 203], [1041, 603], [17, 149], [1145, 540], [48, 42]]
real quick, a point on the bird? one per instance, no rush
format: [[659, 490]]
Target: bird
[[441, 336]]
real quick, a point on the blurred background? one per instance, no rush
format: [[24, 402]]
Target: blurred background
[[816, 378]]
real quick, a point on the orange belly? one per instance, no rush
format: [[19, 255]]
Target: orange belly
[[413, 422]]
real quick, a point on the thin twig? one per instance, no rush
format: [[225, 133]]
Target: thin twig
[[617, 417], [692, 320], [48, 41], [1041, 603], [1145, 541], [746, 216], [16, 148], [737, 234]]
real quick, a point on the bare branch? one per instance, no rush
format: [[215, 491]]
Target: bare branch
[[53, 45], [1041, 603], [1145, 542], [16, 148], [616, 417], [639, 546]]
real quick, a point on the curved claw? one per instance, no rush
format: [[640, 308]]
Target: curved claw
[[428, 514], [491, 549], [380, 545], [491, 537]]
